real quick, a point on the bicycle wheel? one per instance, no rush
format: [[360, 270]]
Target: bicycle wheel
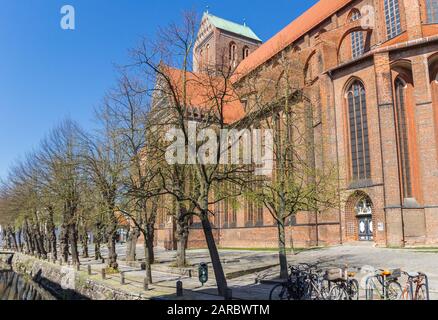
[[394, 290], [338, 292], [421, 293], [372, 289], [325, 290], [279, 292], [353, 289]]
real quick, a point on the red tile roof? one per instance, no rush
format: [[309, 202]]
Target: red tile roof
[[202, 89], [322, 10]]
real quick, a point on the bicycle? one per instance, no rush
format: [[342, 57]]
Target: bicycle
[[385, 284], [345, 287], [293, 288], [420, 282], [318, 287], [304, 283]]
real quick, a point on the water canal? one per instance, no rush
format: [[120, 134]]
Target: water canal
[[16, 287]]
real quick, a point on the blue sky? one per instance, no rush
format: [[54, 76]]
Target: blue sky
[[48, 74]]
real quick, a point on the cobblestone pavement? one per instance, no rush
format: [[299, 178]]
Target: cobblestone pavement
[[237, 264]]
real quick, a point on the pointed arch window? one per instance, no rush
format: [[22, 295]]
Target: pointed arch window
[[245, 52], [358, 127], [357, 38], [233, 54], [201, 58], [392, 18], [207, 55], [403, 137], [432, 11]]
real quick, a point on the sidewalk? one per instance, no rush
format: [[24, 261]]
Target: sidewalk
[[239, 267], [245, 268]]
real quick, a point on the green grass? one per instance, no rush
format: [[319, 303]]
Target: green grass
[[110, 271]]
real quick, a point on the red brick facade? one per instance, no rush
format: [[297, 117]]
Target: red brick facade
[[397, 72]]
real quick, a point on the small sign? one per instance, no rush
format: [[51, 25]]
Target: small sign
[[381, 226]]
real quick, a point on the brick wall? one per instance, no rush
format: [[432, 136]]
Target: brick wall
[[397, 221]]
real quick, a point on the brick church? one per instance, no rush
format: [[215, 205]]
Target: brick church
[[372, 65]]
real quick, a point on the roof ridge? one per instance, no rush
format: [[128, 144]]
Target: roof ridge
[[232, 26], [227, 20], [298, 27]]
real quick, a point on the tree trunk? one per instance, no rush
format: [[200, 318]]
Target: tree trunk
[[214, 254], [147, 259], [28, 237], [282, 249], [182, 232], [52, 235], [38, 242], [84, 239], [150, 243], [112, 254], [97, 254], [97, 239], [19, 242], [39, 237], [73, 240], [112, 238], [63, 239], [13, 240], [134, 234]]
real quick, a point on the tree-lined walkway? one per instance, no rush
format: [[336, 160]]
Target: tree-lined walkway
[[248, 285]]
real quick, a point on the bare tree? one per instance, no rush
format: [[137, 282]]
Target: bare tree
[[102, 160], [192, 104], [127, 109], [58, 167], [297, 183]]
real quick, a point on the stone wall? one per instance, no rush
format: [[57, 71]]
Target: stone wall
[[65, 283]]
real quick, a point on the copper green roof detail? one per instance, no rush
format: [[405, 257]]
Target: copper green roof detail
[[232, 27]]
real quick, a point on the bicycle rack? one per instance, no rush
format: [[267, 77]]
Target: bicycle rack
[[426, 278], [411, 285], [368, 289]]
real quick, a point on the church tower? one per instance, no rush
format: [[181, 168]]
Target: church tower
[[222, 43]]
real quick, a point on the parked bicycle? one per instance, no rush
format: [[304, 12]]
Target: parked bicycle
[[305, 282], [344, 285], [384, 285], [417, 286]]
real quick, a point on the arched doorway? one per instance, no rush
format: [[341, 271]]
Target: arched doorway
[[364, 216], [359, 217]]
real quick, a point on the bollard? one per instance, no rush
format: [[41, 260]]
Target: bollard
[[89, 270], [179, 289], [122, 278], [103, 260], [190, 273], [146, 284], [228, 294], [103, 274]]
